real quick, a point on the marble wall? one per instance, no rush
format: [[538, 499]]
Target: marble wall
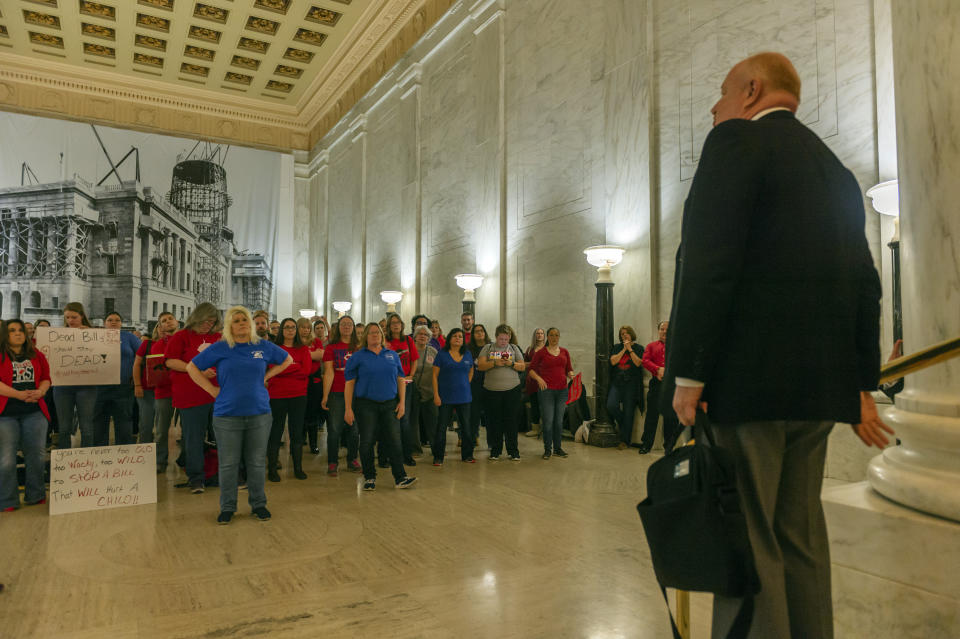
[[518, 132]]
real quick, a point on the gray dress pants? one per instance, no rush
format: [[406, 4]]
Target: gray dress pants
[[780, 474]]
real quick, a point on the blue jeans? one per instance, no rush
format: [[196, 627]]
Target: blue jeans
[[194, 422], [29, 433], [242, 438], [147, 412], [553, 404], [337, 429], [467, 434], [115, 400], [79, 400], [163, 408], [378, 418], [623, 394]]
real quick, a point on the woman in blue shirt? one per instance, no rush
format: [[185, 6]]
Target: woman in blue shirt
[[241, 410], [376, 386], [116, 400], [452, 374]]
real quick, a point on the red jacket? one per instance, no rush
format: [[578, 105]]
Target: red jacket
[[41, 373], [654, 357]]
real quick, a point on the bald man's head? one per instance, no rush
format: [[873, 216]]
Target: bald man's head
[[762, 81]]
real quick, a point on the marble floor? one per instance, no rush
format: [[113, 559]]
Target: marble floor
[[496, 549]]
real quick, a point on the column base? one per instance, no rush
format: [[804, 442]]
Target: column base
[[894, 568], [924, 471], [603, 435]]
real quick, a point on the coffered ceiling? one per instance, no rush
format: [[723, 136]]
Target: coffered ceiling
[[269, 73]]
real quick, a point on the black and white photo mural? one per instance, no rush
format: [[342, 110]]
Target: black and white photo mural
[[132, 222]]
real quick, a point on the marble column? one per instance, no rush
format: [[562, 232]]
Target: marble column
[[411, 200], [924, 471]]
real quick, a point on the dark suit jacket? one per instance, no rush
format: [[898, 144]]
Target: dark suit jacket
[[776, 300]]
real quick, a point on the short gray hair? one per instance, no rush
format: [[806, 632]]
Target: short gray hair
[[422, 329]]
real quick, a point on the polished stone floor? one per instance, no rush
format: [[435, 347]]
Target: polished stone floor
[[496, 549]]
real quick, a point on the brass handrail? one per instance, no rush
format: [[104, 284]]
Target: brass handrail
[[897, 368]]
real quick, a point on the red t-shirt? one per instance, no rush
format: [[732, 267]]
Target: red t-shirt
[[164, 390], [407, 350], [654, 356], [293, 381], [337, 353], [183, 346], [552, 368], [142, 354], [315, 365]]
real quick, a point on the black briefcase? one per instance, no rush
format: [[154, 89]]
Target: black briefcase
[[695, 527]]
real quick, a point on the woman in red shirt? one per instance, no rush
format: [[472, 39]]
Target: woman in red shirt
[[340, 349], [24, 378], [551, 369], [313, 421], [194, 403], [288, 398], [403, 345], [151, 386]]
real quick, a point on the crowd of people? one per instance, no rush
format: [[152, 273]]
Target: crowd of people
[[240, 381]]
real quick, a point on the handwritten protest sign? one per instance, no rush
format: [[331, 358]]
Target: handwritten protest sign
[[104, 477], [81, 356]]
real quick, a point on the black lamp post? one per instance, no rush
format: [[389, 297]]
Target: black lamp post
[[886, 201], [603, 433]]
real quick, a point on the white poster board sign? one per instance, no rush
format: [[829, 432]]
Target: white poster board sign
[[103, 477], [81, 356]]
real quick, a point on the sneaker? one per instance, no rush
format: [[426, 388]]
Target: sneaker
[[643, 450], [299, 474], [406, 482], [546, 455], [410, 462], [196, 487], [470, 460], [36, 502], [438, 463], [9, 509], [560, 453], [494, 457], [224, 518], [369, 484], [355, 466], [332, 470], [514, 457], [242, 486], [314, 450], [261, 513]]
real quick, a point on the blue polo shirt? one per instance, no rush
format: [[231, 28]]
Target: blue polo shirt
[[240, 372], [453, 381], [376, 375], [128, 351]]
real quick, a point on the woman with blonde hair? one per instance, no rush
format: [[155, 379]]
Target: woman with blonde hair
[[75, 400], [241, 411], [193, 401]]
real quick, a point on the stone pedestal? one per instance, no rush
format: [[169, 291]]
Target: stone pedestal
[[924, 472], [894, 569]]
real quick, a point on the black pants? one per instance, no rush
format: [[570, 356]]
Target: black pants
[[379, 420], [294, 408], [502, 408], [621, 406], [445, 417], [671, 426], [423, 420], [315, 416]]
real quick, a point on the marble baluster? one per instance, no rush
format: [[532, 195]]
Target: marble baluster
[[924, 471]]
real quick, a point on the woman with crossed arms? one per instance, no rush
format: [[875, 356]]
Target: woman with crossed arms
[[241, 409], [375, 384]]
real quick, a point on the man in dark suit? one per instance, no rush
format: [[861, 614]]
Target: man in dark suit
[[774, 330]]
